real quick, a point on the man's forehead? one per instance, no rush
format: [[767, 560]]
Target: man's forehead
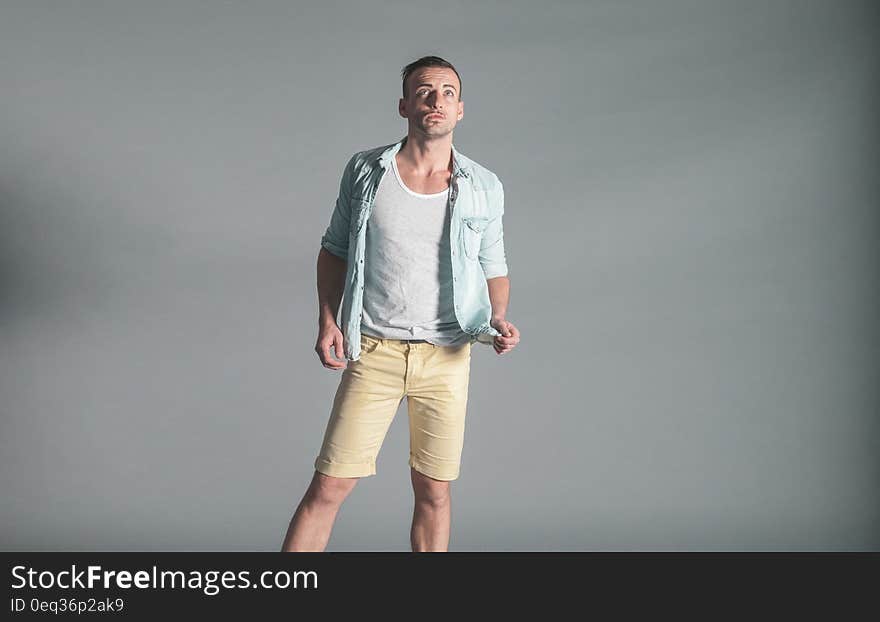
[[434, 74]]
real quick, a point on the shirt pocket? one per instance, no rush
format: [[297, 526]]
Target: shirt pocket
[[472, 235]]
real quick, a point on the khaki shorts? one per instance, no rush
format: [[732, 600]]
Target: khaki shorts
[[434, 380]]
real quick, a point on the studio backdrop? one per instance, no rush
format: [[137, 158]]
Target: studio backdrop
[[691, 226]]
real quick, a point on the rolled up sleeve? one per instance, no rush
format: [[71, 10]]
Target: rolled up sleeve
[[492, 256], [335, 238]]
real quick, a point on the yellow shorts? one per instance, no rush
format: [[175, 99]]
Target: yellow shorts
[[434, 380]]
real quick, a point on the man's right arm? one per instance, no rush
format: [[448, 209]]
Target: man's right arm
[[331, 281], [335, 238], [332, 267], [334, 250]]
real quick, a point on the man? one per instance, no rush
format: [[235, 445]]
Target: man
[[415, 244]]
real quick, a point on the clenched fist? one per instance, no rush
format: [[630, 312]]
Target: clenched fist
[[509, 337]]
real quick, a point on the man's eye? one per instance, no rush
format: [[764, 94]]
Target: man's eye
[[450, 93]]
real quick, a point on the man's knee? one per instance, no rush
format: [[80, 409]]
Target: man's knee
[[330, 490], [429, 490]]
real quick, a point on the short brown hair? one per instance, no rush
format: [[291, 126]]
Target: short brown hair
[[428, 61]]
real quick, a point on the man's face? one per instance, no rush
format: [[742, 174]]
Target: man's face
[[432, 104]]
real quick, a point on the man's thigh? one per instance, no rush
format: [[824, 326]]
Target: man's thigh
[[437, 404], [366, 400]]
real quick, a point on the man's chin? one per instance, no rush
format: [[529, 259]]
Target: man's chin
[[436, 132]]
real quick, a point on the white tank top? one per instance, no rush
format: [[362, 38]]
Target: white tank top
[[407, 269]]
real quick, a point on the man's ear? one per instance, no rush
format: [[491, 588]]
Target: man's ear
[[401, 107]]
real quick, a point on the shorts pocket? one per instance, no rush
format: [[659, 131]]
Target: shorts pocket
[[369, 343]]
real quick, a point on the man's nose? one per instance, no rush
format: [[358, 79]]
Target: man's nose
[[433, 100]]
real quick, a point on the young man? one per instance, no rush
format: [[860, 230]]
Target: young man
[[415, 244]]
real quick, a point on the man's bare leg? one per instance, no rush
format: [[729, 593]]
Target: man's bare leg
[[310, 527], [432, 514]]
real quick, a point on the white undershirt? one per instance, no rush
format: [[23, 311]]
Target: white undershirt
[[407, 267]]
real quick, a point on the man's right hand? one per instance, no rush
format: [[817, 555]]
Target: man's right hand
[[329, 336]]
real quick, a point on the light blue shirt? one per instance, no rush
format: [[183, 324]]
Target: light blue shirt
[[476, 204]]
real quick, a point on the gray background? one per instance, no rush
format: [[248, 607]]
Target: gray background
[[691, 227]]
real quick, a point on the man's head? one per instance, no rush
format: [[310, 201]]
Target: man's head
[[431, 96]]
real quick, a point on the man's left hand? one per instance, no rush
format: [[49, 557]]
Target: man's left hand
[[509, 337]]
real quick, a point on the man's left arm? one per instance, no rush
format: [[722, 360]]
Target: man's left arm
[[494, 263]]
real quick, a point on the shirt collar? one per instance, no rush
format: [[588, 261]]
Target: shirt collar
[[459, 169]]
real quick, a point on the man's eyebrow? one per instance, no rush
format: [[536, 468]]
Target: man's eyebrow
[[429, 84]]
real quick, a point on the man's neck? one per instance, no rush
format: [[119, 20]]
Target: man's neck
[[427, 157]]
